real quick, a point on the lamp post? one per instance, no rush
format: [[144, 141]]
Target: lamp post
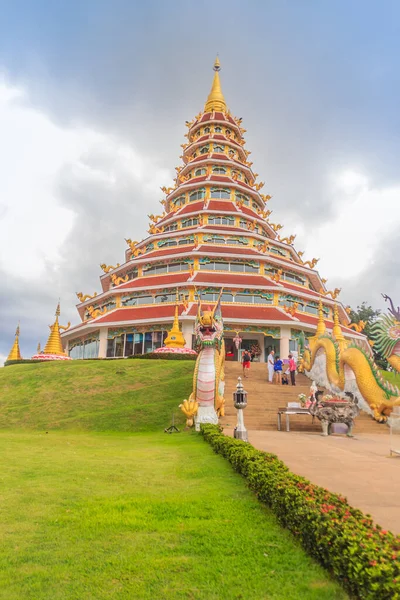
[[240, 402]]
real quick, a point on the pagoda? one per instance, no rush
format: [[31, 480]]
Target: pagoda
[[214, 232], [15, 352]]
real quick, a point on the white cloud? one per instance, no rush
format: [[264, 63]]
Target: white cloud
[[33, 151], [364, 216]]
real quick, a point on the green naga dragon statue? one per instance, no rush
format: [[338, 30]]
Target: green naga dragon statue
[[206, 402], [341, 366]]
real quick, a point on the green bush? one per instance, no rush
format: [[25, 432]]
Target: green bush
[[363, 557], [165, 356]]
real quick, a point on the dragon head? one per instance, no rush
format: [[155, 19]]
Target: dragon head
[[209, 327], [386, 334]]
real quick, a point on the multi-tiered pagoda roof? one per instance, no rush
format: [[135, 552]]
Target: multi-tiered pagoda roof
[[214, 232]]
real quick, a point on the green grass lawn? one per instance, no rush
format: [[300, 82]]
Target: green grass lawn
[[124, 395], [147, 516], [394, 378]]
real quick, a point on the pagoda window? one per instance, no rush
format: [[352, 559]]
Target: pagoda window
[[172, 227], [242, 198], [179, 201], [197, 134], [263, 299], [160, 298], [197, 195], [220, 193], [218, 129], [205, 150], [145, 300], [228, 132], [199, 172], [166, 243], [244, 268], [226, 297], [220, 170], [221, 221], [215, 239], [190, 222], [185, 241], [174, 267], [244, 298], [275, 250], [311, 308], [207, 130], [156, 270], [218, 149], [231, 153], [238, 241], [132, 274], [243, 223], [294, 278]]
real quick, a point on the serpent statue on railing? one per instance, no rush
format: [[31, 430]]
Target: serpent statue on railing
[[340, 365], [209, 376]]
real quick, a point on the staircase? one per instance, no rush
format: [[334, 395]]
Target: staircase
[[265, 399]]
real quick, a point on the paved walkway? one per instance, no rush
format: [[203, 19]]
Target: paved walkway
[[358, 468]]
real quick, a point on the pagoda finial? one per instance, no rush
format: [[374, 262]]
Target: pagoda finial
[[175, 337], [54, 344], [216, 100], [321, 327], [38, 349], [15, 353]]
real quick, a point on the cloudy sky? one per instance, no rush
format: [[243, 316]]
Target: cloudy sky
[[94, 96]]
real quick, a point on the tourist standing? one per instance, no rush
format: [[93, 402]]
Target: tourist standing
[[292, 369], [278, 370], [270, 362], [246, 360]]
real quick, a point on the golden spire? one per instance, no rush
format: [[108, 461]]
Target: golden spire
[[175, 337], [38, 349], [216, 100], [54, 344], [337, 330], [321, 327], [15, 353]]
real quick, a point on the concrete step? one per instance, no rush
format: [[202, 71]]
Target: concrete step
[[265, 399]]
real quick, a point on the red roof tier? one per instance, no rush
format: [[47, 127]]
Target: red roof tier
[[140, 313], [158, 280]]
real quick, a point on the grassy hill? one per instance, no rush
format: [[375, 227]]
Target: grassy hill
[[129, 395]]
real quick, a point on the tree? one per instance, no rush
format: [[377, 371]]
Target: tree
[[369, 315]]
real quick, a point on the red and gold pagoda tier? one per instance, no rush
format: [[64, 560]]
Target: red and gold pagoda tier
[[214, 232]]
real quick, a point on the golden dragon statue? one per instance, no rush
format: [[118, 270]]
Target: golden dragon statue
[[209, 374], [83, 297], [343, 366]]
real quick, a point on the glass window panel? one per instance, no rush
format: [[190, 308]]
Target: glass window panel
[[119, 345], [221, 266], [237, 267], [145, 300], [243, 298], [226, 298], [138, 343], [148, 342], [250, 269], [110, 348]]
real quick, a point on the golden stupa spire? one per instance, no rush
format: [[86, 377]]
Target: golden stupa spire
[[175, 337], [38, 349], [54, 344], [216, 100], [15, 353], [321, 327]]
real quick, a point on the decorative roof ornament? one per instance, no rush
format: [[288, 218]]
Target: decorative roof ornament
[[15, 353], [216, 100], [337, 330], [321, 327]]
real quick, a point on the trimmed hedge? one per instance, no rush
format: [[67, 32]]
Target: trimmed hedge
[[361, 555], [165, 356]]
